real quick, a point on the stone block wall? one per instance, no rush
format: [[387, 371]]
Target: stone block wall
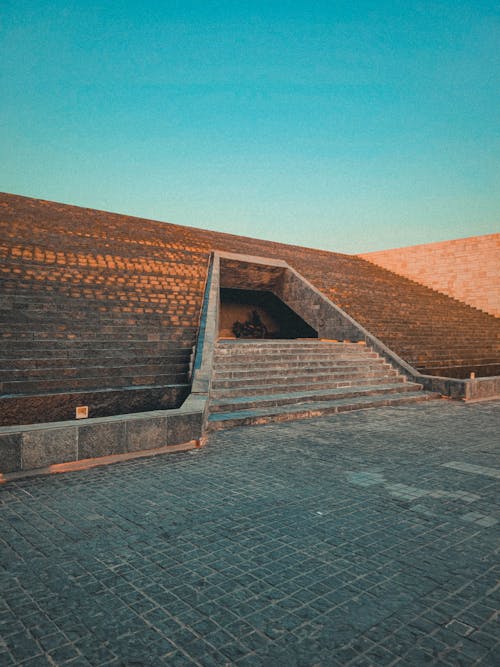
[[31, 448], [465, 269]]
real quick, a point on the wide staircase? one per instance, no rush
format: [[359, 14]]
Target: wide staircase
[[256, 382]]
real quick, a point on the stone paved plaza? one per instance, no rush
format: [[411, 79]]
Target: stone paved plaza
[[368, 538]]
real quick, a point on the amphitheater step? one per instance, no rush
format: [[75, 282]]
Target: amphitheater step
[[120, 358], [233, 388], [92, 383], [297, 397], [255, 382], [308, 368], [70, 370], [219, 421]]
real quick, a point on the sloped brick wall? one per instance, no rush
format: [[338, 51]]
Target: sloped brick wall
[[465, 269], [92, 300]]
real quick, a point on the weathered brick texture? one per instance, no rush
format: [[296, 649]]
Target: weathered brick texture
[[466, 269], [94, 301]]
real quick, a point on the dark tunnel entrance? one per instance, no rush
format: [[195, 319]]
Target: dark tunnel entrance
[[276, 319]]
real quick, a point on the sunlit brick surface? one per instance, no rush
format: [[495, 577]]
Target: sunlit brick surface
[[466, 269], [85, 290]]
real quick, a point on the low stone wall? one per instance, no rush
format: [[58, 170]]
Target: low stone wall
[[33, 447], [483, 388], [465, 269]]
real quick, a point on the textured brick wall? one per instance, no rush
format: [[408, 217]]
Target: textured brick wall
[[465, 269], [91, 280]]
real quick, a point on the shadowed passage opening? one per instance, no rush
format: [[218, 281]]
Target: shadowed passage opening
[[259, 314]]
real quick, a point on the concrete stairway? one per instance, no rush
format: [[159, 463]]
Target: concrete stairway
[[255, 382]]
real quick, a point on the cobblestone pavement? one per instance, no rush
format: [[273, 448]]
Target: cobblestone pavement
[[368, 538]]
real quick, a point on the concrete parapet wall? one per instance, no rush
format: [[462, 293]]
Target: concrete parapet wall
[[483, 388], [465, 269], [102, 403], [318, 311]]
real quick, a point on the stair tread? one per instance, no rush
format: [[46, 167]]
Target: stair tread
[[310, 393], [319, 406], [301, 383], [98, 390]]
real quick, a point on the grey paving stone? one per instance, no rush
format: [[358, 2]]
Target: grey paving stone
[[339, 541]]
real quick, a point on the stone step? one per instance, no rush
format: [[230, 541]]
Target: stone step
[[239, 346], [310, 368], [33, 311], [274, 399], [457, 361], [39, 348], [299, 357], [91, 370], [279, 365], [229, 388], [89, 383], [439, 356], [225, 420], [489, 370], [302, 377], [121, 358], [90, 334]]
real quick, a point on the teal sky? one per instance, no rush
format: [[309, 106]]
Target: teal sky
[[350, 126]]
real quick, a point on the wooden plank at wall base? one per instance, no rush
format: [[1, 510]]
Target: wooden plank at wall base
[[85, 464], [40, 447]]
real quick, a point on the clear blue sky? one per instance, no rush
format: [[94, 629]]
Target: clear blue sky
[[351, 126]]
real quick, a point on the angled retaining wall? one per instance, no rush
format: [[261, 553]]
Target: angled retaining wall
[[465, 269]]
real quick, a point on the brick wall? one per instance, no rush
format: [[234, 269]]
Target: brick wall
[[91, 300], [465, 269]]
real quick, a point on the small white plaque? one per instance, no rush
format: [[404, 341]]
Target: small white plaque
[[82, 412]]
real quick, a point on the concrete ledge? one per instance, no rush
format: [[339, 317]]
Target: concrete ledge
[[35, 447]]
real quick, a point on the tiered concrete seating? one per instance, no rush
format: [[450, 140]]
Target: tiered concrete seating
[[98, 302], [256, 382]]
